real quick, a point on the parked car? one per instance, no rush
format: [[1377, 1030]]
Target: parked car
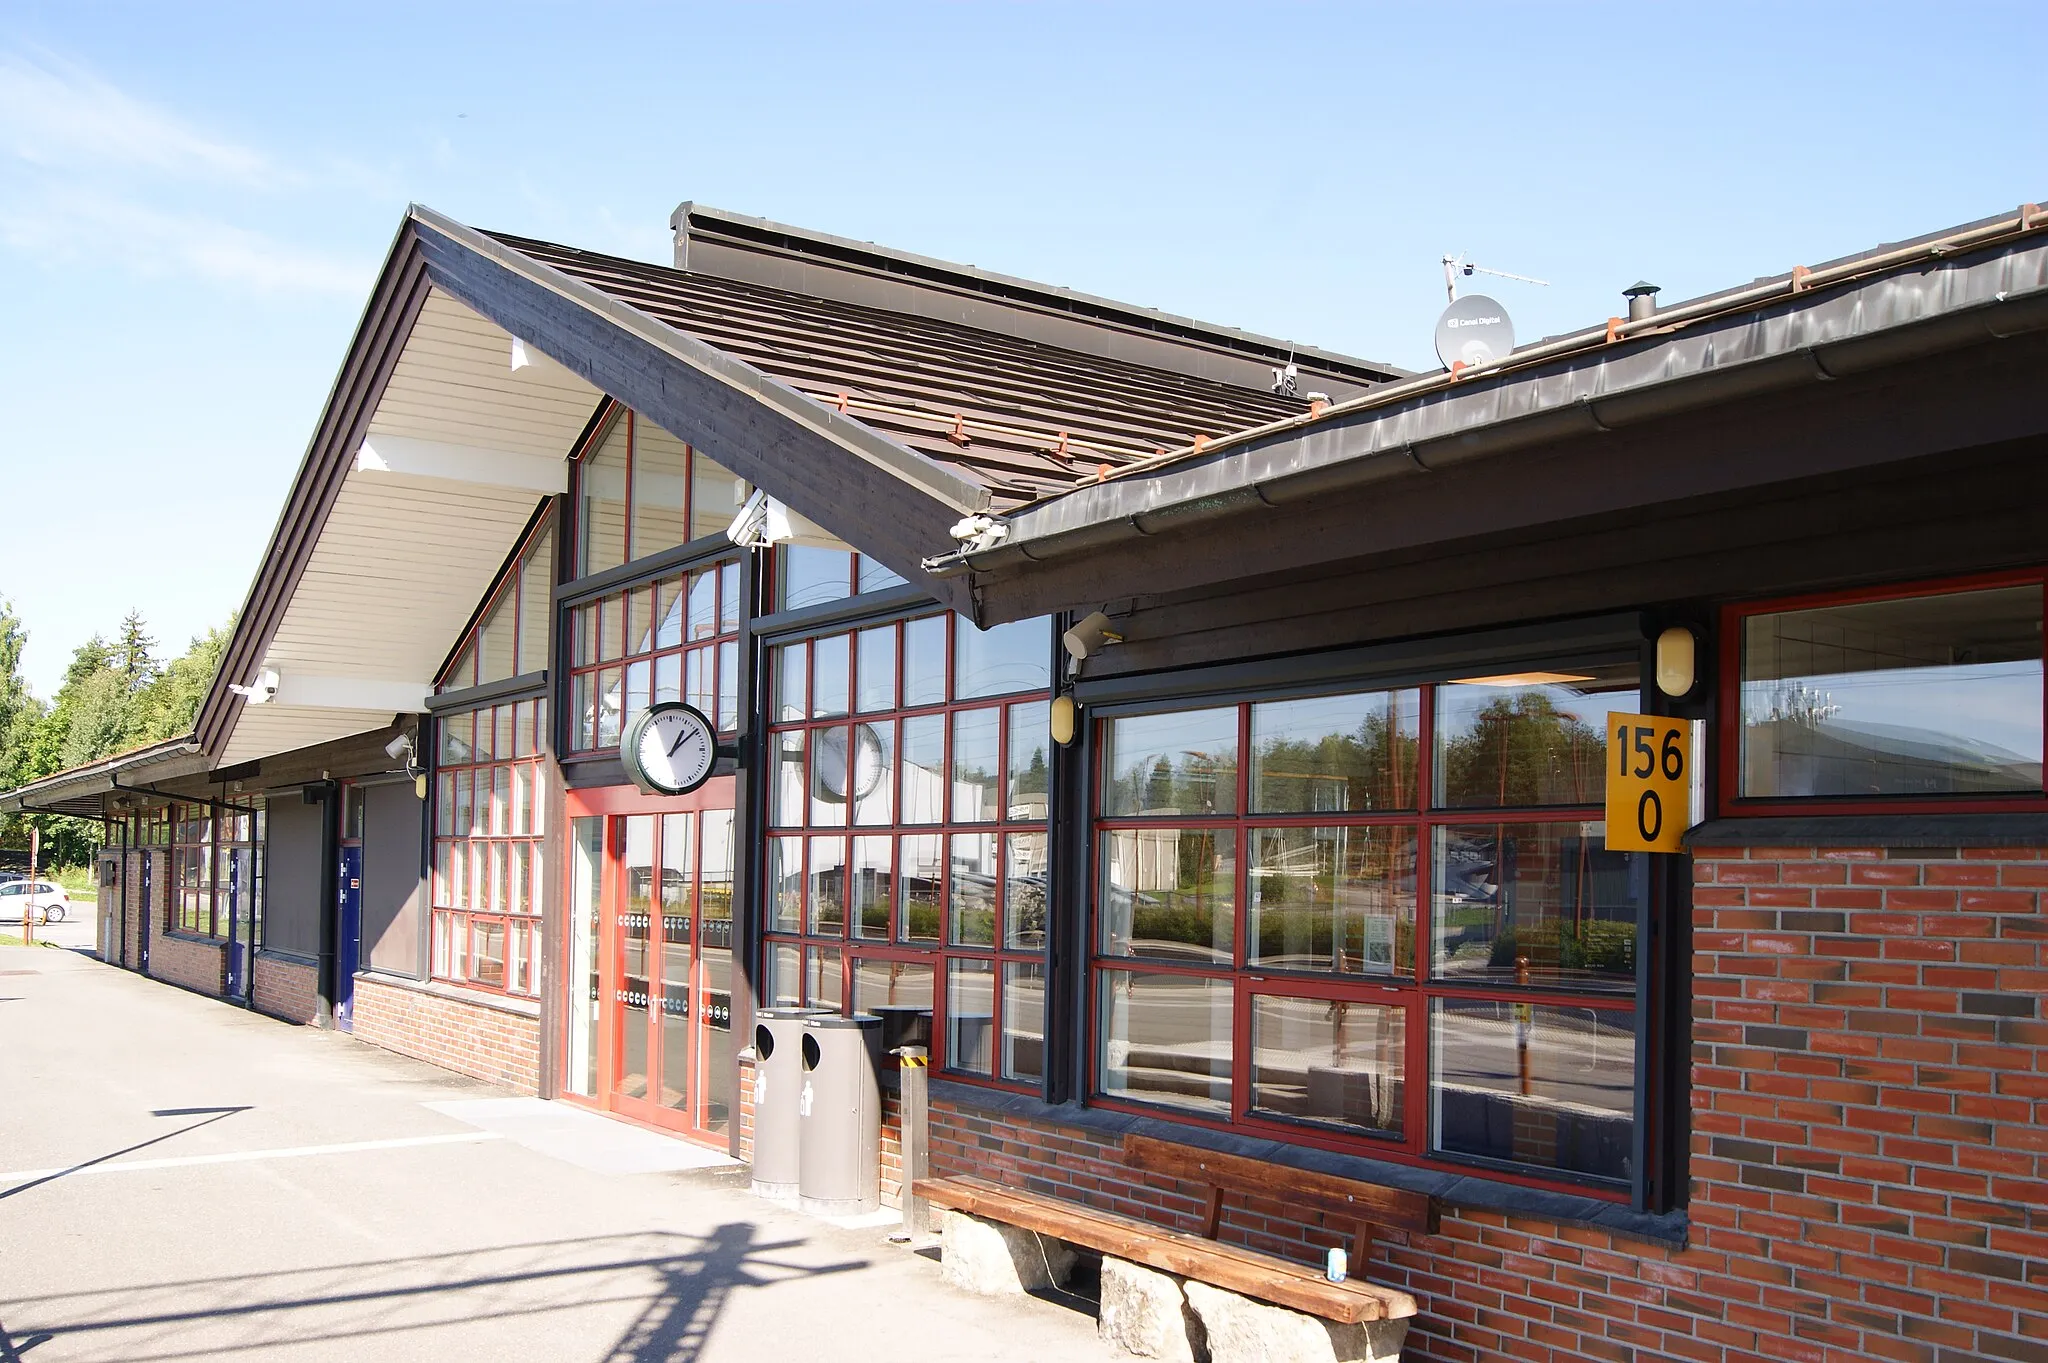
[[45, 899]]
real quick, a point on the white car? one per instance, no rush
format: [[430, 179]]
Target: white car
[[45, 900]]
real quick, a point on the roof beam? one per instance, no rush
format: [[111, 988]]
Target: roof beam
[[352, 693], [407, 455]]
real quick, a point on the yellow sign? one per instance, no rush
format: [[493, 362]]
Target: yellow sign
[[1649, 782]]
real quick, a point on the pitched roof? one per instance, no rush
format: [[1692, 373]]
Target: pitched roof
[[1022, 418]]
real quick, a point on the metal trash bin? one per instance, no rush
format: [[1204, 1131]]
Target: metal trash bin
[[778, 1081], [839, 1116]]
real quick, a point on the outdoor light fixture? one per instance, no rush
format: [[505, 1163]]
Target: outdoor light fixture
[[1066, 720], [1089, 636], [1676, 670]]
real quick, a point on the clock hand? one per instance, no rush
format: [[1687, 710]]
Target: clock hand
[[681, 738]]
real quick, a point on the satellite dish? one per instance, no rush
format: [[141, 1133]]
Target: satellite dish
[[1474, 330]]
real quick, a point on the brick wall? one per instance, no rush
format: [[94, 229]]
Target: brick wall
[[482, 1040], [1870, 1144], [286, 989], [199, 963]]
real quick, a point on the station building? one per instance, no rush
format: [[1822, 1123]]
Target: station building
[[1298, 850]]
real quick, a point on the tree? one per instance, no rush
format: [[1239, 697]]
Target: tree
[[133, 653], [172, 701]]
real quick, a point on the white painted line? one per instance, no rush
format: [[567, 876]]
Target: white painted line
[[237, 1156]]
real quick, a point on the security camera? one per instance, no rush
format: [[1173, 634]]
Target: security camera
[[1088, 636], [399, 747], [762, 521], [259, 692]]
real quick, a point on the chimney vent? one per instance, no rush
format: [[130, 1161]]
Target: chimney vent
[[1642, 300]]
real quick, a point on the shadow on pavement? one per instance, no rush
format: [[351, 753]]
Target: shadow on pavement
[[210, 1115], [677, 1285]]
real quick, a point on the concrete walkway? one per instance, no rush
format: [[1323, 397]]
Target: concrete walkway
[[182, 1180]]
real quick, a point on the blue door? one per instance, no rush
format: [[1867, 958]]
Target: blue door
[[348, 937]]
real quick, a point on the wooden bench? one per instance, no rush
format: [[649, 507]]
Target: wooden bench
[[1197, 1253]]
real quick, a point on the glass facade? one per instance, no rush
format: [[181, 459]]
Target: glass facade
[[490, 862], [216, 866], [639, 491], [672, 639], [1301, 903]]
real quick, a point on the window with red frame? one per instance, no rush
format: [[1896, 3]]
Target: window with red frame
[[1265, 958], [216, 868], [906, 861], [674, 639], [511, 637], [1881, 700], [639, 490], [489, 834]]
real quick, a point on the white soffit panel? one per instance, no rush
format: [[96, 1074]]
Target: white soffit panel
[[461, 451]]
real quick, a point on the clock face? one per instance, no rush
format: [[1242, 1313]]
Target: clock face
[[670, 748], [838, 773]]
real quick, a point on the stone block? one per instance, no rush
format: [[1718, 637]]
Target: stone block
[[1144, 1312], [997, 1260], [1240, 1330]]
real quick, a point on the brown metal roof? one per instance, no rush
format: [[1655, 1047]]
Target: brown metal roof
[[1025, 419]]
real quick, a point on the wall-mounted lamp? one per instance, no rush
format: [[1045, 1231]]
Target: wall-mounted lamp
[[1066, 720], [1088, 636], [1677, 661]]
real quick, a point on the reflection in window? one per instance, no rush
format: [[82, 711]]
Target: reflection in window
[[641, 491], [1179, 763], [1922, 695], [1536, 904], [1534, 1084], [1165, 1038], [998, 661], [1340, 898], [1529, 738], [1169, 893], [1331, 1061], [1347, 753]]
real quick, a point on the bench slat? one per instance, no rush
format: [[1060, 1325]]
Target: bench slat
[[1243, 1271], [1326, 1193]]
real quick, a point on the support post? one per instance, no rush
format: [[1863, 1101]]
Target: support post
[[914, 1137]]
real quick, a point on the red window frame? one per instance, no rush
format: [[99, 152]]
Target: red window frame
[[636, 670], [1417, 995], [461, 903], [1731, 803], [940, 955], [466, 661]]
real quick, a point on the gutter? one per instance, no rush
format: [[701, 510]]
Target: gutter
[[1438, 421], [104, 769]]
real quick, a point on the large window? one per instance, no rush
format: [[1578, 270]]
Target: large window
[[489, 829], [814, 568], [640, 490], [511, 637], [906, 866], [1382, 920], [216, 867], [1934, 695], [675, 639]]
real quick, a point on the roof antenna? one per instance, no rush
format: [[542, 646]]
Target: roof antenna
[[1457, 265]]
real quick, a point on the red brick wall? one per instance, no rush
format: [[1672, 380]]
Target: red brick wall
[[199, 963], [286, 989], [477, 1039], [1870, 1145]]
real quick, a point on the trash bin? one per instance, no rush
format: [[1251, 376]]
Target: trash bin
[[778, 1080], [839, 1116]]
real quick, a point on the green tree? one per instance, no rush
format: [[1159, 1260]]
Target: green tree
[[172, 701], [133, 654]]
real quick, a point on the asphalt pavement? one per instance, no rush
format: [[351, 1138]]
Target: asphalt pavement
[[180, 1179]]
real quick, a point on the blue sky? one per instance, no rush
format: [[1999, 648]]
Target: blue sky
[[194, 199]]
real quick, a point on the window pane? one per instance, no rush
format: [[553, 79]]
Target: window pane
[[494, 641], [995, 662], [1169, 893], [640, 621], [829, 677], [923, 768], [1024, 890], [1023, 1021], [831, 760], [1030, 760], [1530, 738], [703, 606], [875, 577], [827, 883], [874, 773], [661, 482], [1182, 763], [639, 686], [786, 976], [1329, 1061], [458, 739], [877, 669], [892, 984], [728, 716], [1534, 1084], [601, 505], [1930, 695], [791, 680], [813, 575], [790, 799], [487, 941], [871, 889], [1339, 899], [728, 596], [1165, 1039], [917, 887], [608, 707], [970, 1015], [971, 893], [611, 627], [535, 577], [976, 735], [924, 661], [822, 969], [717, 494], [669, 604], [786, 884], [1542, 903], [1335, 753], [668, 677]]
